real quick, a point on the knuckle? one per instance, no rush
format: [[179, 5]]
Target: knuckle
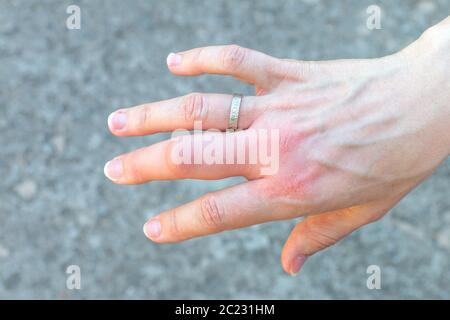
[[212, 212], [182, 169], [173, 218], [144, 117], [233, 56], [319, 238], [179, 157], [198, 55], [194, 107], [132, 170]]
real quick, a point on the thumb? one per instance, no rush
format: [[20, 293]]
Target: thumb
[[321, 231]]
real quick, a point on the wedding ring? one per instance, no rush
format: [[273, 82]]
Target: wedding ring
[[236, 101]]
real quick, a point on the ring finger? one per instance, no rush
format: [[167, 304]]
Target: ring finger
[[212, 111]]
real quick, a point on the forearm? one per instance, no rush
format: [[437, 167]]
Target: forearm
[[429, 57]]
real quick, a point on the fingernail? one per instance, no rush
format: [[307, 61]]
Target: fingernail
[[117, 120], [113, 169], [173, 59], [152, 229], [296, 264]]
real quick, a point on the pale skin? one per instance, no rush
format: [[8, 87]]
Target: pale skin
[[355, 137]]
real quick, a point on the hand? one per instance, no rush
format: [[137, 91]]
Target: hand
[[355, 136]]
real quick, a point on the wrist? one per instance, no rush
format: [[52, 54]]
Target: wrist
[[432, 47], [428, 62]]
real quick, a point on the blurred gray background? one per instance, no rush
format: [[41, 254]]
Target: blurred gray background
[[57, 87]]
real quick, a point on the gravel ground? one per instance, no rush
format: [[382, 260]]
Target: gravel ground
[[57, 87]]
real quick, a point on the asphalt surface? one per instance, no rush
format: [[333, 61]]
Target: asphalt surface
[[57, 87]]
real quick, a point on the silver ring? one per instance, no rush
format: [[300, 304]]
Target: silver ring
[[234, 112]]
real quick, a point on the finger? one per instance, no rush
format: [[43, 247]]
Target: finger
[[234, 207], [210, 111], [209, 155], [318, 232], [248, 65]]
